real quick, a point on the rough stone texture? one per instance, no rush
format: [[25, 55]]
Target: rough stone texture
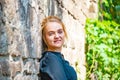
[[20, 38]]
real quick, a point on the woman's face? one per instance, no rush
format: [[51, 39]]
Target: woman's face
[[53, 35]]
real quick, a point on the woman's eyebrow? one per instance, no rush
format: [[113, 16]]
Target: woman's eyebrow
[[51, 31], [60, 29]]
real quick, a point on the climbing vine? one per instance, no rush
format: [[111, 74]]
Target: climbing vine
[[103, 50], [103, 42]]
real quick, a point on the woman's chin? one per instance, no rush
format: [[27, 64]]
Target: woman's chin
[[57, 46]]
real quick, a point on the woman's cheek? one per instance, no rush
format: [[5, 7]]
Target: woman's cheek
[[50, 38]]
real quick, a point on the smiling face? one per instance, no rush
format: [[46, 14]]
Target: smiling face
[[53, 36]]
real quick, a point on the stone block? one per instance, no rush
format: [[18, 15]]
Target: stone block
[[15, 66], [4, 68]]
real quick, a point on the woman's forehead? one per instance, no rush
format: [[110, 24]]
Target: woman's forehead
[[51, 26]]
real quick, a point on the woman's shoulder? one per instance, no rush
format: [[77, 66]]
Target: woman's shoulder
[[48, 57], [50, 60]]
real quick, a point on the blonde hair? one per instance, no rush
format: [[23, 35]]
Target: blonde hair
[[51, 19]]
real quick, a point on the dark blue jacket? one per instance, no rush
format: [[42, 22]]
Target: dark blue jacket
[[54, 67]]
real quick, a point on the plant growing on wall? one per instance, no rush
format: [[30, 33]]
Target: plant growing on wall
[[102, 50], [109, 10], [103, 42]]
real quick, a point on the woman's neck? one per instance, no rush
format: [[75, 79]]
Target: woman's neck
[[55, 50]]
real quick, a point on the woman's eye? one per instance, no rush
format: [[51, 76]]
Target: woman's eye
[[50, 33], [60, 31]]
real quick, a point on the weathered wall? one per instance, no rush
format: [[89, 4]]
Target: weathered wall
[[20, 39]]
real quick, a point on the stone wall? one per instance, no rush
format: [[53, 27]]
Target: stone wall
[[20, 38]]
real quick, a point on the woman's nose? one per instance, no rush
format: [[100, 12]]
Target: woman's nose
[[56, 35]]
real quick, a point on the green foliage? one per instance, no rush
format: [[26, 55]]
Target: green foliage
[[103, 49], [103, 42], [109, 10]]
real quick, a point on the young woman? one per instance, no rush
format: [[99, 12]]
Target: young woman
[[52, 64]]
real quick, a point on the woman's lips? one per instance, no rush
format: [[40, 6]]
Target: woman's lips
[[57, 41]]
